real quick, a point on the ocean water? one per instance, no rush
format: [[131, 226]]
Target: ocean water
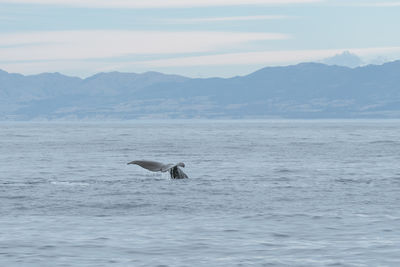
[[260, 193]]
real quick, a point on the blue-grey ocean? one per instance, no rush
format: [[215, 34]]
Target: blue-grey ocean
[[259, 193]]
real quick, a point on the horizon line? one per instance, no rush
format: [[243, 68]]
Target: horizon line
[[176, 74]]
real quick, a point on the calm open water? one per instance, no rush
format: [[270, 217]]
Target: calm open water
[[260, 193]]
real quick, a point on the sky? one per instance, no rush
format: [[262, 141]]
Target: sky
[[196, 38]]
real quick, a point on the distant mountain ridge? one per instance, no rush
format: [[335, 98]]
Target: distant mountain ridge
[[344, 59], [306, 90]]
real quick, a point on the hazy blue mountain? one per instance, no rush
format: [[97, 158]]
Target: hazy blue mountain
[[307, 90], [346, 59]]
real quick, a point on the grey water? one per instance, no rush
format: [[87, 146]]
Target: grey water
[[259, 193]]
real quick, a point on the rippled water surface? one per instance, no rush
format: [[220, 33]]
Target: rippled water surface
[[272, 193]]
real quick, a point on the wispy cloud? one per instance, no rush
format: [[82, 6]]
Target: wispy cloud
[[109, 44], [265, 57], [157, 3], [366, 3], [229, 19], [7, 18], [381, 4]]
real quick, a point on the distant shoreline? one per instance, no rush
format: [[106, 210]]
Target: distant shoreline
[[165, 121]]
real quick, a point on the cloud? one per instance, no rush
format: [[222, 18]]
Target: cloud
[[7, 18], [265, 57], [224, 19], [381, 4], [367, 4], [157, 3], [67, 45]]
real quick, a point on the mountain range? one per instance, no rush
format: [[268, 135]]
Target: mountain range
[[306, 90]]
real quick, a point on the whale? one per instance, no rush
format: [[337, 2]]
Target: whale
[[154, 166]]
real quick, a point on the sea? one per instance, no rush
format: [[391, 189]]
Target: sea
[[260, 193]]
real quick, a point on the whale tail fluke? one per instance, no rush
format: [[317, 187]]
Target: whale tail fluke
[[154, 166]]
